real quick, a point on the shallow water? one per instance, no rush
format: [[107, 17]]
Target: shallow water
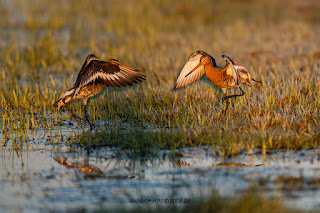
[[32, 180]]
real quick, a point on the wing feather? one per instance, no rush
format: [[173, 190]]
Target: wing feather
[[129, 77], [109, 74], [192, 62], [235, 74], [239, 72], [135, 75]]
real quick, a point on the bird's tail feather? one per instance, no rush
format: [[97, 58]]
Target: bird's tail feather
[[256, 83]]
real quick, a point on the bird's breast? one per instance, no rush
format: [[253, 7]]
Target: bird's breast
[[89, 91], [215, 75]]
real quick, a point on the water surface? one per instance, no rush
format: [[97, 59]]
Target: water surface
[[46, 176]]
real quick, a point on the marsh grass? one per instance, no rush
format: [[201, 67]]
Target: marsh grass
[[41, 54], [249, 201]]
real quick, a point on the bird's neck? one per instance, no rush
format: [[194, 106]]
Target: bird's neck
[[215, 70], [215, 74]]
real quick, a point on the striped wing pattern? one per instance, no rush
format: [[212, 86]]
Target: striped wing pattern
[[89, 58], [235, 74], [192, 62], [240, 72], [109, 74]]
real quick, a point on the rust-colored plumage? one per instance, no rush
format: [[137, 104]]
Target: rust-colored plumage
[[88, 170], [96, 74], [232, 75]]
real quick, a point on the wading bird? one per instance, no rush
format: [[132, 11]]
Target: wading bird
[[93, 76], [232, 75]]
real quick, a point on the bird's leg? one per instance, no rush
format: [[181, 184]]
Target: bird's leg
[[85, 112], [230, 96], [73, 115], [225, 98]]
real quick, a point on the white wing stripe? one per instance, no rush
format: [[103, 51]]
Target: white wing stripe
[[119, 80], [128, 70], [239, 67], [67, 93], [94, 77], [111, 77], [108, 78], [123, 77]]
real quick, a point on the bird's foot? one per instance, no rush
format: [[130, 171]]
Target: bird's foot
[[224, 111], [72, 114], [92, 126]]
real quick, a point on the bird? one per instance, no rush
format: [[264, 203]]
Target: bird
[[232, 75], [93, 76]]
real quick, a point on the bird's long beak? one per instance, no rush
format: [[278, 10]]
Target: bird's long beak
[[200, 64], [121, 65]]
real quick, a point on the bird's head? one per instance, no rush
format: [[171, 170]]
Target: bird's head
[[114, 61], [204, 60]]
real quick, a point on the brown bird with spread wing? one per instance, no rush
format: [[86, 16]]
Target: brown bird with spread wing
[[232, 75], [93, 76]]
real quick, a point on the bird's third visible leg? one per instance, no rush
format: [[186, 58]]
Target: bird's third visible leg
[[73, 115], [225, 98], [86, 114]]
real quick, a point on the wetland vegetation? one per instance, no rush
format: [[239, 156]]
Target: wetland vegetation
[[44, 43]]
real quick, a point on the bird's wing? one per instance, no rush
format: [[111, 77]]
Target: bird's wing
[[239, 72], [89, 58], [110, 75], [184, 79], [235, 74]]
